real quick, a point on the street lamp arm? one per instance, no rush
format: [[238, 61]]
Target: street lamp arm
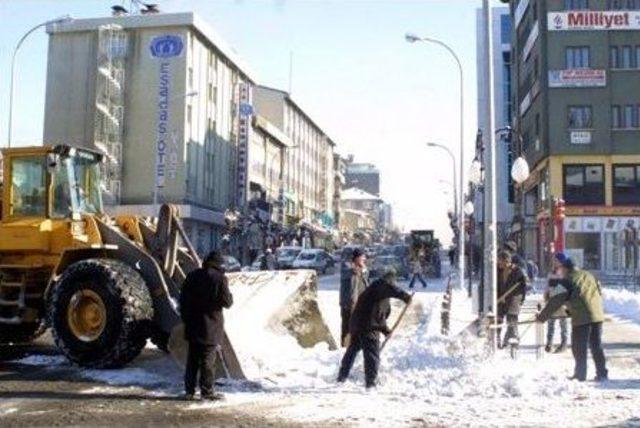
[[13, 68]]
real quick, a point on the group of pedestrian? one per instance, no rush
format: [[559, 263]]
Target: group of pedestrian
[[571, 293], [365, 309]]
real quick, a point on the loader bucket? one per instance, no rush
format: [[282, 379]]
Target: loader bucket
[[277, 302]]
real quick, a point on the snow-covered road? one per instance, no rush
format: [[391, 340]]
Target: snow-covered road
[[426, 379]]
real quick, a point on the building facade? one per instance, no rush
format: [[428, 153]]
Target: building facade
[[308, 175], [501, 59], [575, 80], [364, 176], [168, 101]]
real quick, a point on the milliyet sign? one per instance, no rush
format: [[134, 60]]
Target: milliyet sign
[[593, 20]]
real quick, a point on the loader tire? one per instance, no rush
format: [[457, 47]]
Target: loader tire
[[22, 333], [100, 313]]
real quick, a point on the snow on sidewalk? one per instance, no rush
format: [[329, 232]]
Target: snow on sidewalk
[[425, 378]]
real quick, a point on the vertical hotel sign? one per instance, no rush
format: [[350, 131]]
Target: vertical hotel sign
[[245, 112], [164, 48]]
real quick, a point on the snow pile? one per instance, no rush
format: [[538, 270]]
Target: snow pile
[[623, 303]]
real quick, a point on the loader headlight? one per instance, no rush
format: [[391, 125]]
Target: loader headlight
[[78, 228]]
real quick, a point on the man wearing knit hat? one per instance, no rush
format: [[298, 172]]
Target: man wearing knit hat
[[581, 291], [353, 282]]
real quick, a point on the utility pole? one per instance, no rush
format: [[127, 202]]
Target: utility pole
[[490, 226]]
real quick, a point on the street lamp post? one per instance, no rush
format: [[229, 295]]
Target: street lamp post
[[412, 38], [60, 20], [455, 175]]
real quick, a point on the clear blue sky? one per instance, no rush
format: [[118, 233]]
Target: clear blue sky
[[377, 96]]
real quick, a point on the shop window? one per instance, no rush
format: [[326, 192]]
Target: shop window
[[626, 185], [580, 117], [584, 184], [584, 249]]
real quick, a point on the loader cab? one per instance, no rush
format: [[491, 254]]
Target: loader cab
[[55, 183]]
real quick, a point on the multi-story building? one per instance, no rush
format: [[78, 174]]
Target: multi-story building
[[364, 176], [575, 80], [340, 171], [501, 27], [169, 102], [308, 176], [360, 208]]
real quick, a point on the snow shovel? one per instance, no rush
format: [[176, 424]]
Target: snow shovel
[[397, 323], [474, 326]]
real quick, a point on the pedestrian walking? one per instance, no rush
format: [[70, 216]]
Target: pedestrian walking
[[368, 320], [416, 270], [452, 256], [511, 294], [582, 293], [205, 293], [559, 317], [353, 282]]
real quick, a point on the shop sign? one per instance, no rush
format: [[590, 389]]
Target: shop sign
[[580, 137], [577, 78], [593, 20], [603, 211]]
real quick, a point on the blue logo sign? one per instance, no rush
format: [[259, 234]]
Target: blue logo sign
[[246, 109], [166, 46]]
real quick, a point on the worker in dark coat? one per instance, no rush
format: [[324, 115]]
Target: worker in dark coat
[[512, 285], [353, 282], [581, 292], [368, 320], [205, 293]]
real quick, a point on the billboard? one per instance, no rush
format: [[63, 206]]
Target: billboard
[[577, 78], [583, 20]]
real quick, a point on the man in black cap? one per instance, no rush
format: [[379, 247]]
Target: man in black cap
[[205, 293], [352, 283], [368, 320]]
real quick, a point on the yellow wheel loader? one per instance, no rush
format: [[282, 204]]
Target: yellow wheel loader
[[104, 285]]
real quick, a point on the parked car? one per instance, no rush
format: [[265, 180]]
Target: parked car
[[317, 259], [231, 264], [383, 263], [286, 255]]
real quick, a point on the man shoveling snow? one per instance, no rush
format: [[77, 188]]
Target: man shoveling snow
[[368, 320]]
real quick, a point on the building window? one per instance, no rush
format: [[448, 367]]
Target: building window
[[577, 56], [576, 4], [584, 184], [638, 56], [626, 184], [623, 4], [627, 57], [616, 117], [580, 117], [614, 57], [625, 117], [629, 118]]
